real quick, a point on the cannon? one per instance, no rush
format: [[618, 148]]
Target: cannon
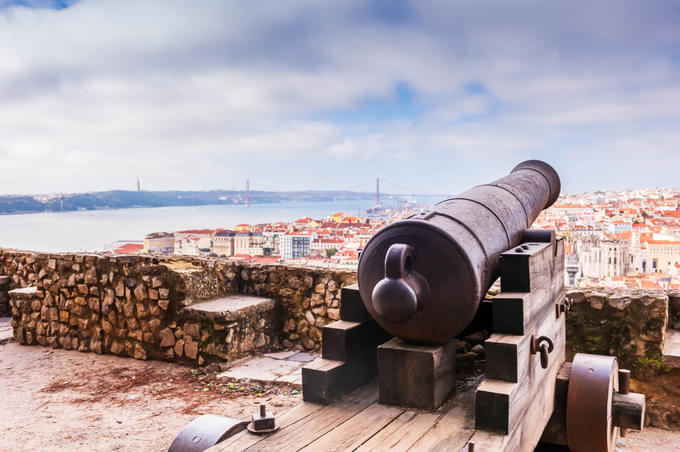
[[422, 279], [420, 285]]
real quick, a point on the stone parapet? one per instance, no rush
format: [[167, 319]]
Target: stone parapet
[[152, 307], [126, 305], [95, 303], [674, 309], [126, 301], [627, 324], [4, 296]]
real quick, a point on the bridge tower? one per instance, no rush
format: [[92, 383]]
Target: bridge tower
[[377, 191]]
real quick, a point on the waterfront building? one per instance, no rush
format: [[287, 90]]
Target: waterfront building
[[224, 243], [186, 243], [159, 243], [249, 243]]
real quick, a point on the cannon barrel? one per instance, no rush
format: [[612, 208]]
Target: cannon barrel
[[422, 278]]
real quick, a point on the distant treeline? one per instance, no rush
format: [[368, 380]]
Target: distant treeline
[[121, 199]]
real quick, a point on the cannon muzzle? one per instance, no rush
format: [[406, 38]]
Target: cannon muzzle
[[422, 278]]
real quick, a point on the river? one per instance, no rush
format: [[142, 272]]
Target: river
[[91, 230]]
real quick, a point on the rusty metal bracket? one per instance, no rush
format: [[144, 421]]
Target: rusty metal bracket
[[263, 421], [542, 345], [206, 431], [563, 305]]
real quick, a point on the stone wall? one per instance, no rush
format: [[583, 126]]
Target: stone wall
[[674, 310], [309, 298], [133, 305], [136, 306], [89, 302], [4, 296], [121, 305], [628, 325]]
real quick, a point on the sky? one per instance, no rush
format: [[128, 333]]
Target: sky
[[432, 96]]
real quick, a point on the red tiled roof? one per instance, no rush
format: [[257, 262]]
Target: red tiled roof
[[129, 248]]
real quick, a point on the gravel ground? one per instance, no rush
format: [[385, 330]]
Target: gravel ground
[[59, 400]]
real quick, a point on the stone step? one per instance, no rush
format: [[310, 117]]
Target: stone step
[[227, 309], [671, 348], [224, 329]]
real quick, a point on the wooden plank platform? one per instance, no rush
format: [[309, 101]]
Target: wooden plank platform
[[507, 411], [358, 422]]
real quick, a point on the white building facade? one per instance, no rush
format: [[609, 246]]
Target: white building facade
[[296, 245]]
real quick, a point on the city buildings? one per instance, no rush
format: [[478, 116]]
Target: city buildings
[[159, 243], [224, 243], [194, 242], [618, 239], [627, 238], [295, 245]]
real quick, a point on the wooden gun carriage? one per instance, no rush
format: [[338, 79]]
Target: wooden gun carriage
[[387, 379]]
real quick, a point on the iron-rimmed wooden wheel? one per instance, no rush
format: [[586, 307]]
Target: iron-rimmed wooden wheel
[[592, 383]]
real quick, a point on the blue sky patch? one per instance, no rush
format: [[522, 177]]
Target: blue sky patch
[[51, 4], [401, 104]]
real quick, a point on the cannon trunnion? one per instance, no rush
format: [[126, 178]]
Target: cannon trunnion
[[422, 279]]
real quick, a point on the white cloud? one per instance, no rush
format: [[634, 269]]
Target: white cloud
[[200, 95]]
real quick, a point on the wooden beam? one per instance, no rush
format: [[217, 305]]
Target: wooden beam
[[418, 376], [628, 410], [514, 403], [351, 307], [352, 341]]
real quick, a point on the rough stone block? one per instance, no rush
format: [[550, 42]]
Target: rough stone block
[[140, 292], [191, 329], [167, 338], [190, 349]]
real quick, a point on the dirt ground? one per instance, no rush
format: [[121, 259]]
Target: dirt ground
[[59, 400]]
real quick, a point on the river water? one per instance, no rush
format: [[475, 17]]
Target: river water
[[92, 230]]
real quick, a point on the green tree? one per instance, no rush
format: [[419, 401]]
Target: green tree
[[331, 251]]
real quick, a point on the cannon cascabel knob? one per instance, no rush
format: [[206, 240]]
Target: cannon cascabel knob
[[403, 292]]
